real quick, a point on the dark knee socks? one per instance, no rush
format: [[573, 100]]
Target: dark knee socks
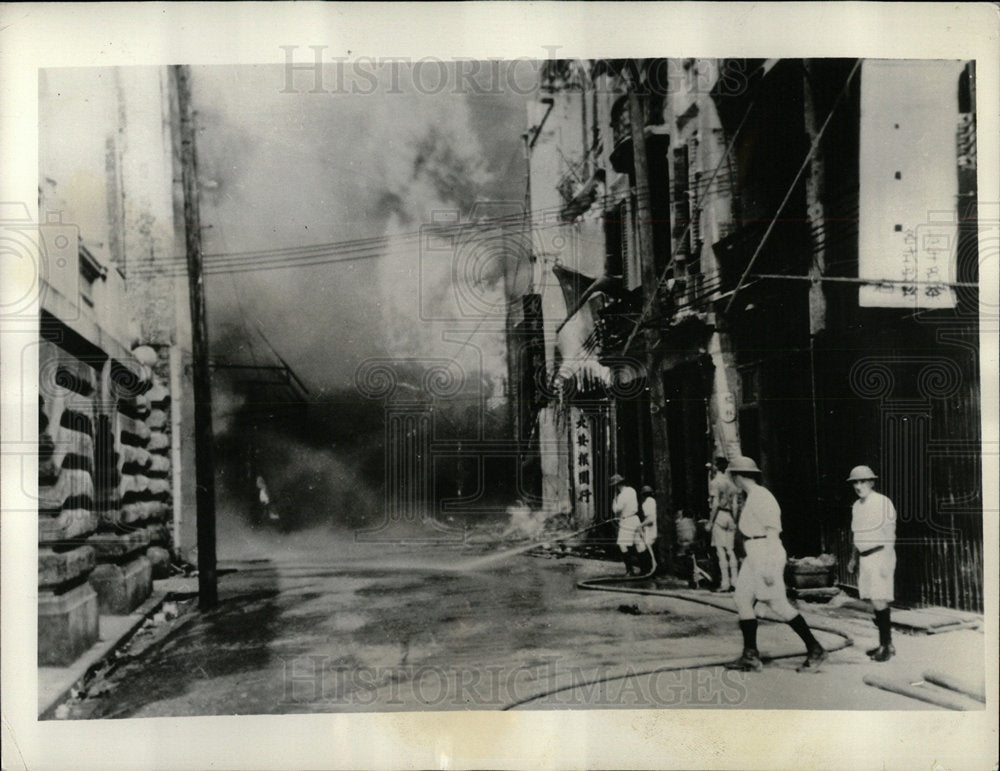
[[749, 629], [802, 630], [884, 627]]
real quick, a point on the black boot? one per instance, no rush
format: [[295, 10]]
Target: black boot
[[748, 628], [885, 649], [816, 653], [871, 651], [748, 662], [801, 628], [816, 657]]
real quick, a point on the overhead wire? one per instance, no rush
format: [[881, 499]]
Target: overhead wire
[[360, 248], [724, 160], [814, 145]]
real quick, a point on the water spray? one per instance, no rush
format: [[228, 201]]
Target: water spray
[[481, 562]]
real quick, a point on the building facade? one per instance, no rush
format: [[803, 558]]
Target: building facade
[[784, 267], [116, 483]]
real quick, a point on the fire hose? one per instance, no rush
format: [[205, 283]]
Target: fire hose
[[615, 584]]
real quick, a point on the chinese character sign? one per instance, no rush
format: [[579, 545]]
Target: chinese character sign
[[581, 464], [908, 226]]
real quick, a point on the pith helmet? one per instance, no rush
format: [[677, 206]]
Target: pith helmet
[[616, 478], [859, 473], [741, 464], [646, 489]]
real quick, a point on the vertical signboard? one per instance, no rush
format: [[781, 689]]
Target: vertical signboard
[[582, 465], [908, 224]]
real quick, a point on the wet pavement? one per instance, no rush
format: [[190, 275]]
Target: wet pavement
[[369, 627]]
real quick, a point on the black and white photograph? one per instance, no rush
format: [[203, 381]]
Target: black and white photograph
[[602, 389]]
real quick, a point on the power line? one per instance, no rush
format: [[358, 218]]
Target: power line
[[795, 182], [353, 249], [724, 160]]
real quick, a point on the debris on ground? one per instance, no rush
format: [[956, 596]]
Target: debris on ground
[[98, 683]]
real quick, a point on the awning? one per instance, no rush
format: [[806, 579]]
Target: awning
[[583, 198], [573, 285], [579, 357], [611, 285]]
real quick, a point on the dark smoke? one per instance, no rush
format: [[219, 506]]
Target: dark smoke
[[297, 169]]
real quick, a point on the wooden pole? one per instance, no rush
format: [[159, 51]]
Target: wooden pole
[[654, 378], [815, 214], [203, 440]]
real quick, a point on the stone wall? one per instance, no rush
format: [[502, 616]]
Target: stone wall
[[104, 490], [67, 515]]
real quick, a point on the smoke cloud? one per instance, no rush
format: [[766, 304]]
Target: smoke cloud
[[286, 170]]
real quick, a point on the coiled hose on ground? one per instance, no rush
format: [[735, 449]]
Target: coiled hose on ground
[[620, 584]]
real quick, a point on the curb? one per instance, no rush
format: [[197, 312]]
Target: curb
[[91, 660]]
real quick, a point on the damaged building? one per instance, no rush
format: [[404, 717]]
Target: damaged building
[[775, 258], [115, 413]]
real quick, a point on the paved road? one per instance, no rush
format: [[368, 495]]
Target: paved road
[[376, 628]]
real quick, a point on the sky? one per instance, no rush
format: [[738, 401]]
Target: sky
[[284, 170]]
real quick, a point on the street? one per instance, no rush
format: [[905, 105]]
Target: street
[[336, 626]]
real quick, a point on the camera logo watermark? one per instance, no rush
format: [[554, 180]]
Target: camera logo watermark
[[37, 258]]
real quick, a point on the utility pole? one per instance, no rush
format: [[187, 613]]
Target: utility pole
[[654, 379], [816, 217], [815, 182], [203, 440]]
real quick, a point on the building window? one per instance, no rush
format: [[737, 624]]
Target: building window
[[90, 271], [749, 385]]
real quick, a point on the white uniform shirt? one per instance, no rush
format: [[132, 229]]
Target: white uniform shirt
[[761, 510], [873, 522], [723, 492], [625, 503], [649, 515]]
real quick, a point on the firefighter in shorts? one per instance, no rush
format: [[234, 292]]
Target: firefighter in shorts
[[873, 523], [625, 507], [761, 576], [722, 523], [645, 537]]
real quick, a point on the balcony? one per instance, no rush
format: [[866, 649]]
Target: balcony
[[579, 196], [621, 133], [656, 133]]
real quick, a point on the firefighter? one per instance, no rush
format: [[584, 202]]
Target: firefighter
[[761, 576], [723, 495], [646, 536], [264, 498], [873, 523], [625, 507]]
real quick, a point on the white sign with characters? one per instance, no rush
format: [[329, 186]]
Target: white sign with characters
[[908, 225], [582, 465]]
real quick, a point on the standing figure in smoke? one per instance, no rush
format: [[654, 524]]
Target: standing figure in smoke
[[761, 576], [723, 495], [646, 536], [265, 500], [873, 522], [625, 506]]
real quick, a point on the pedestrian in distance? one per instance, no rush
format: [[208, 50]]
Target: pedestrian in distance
[[723, 495], [625, 507], [761, 576], [264, 498], [873, 523], [646, 536]]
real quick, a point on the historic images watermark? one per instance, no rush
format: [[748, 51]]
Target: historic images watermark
[[321, 680], [313, 69]]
